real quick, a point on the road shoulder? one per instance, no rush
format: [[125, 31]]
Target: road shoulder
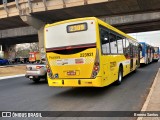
[[152, 102], [13, 76]]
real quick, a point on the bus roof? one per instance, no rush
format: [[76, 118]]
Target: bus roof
[[97, 20], [146, 44]]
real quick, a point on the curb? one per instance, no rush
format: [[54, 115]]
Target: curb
[[145, 105], [4, 66], [13, 76]]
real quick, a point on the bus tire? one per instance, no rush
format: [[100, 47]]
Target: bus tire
[[120, 76]]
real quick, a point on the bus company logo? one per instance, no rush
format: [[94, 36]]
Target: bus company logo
[[79, 61], [6, 114]]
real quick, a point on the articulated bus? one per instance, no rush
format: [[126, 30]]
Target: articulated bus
[[87, 52], [147, 53], [156, 55]]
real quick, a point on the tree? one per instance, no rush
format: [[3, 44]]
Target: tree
[[34, 47], [23, 50]]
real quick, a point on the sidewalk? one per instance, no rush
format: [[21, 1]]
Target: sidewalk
[[12, 70], [152, 102], [12, 65]]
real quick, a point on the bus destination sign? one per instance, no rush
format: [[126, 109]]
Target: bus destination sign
[[77, 27]]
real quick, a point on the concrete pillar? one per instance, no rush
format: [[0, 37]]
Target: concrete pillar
[[9, 51], [41, 42], [39, 25], [1, 52], [32, 21]]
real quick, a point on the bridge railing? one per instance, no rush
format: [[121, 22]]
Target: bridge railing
[[9, 8]]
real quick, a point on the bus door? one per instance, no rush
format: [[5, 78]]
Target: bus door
[[147, 54], [139, 54], [131, 56]]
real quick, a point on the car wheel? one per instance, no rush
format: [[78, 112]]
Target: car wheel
[[46, 79], [36, 80]]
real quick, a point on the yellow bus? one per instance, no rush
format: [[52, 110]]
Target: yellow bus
[[87, 52]]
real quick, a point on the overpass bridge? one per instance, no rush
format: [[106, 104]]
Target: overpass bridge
[[50, 11], [20, 15]]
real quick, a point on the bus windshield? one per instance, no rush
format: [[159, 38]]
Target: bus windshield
[[70, 34], [156, 49], [31, 55]]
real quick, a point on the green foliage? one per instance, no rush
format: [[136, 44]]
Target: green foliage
[[23, 50]]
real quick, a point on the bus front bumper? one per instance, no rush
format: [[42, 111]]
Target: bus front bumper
[[75, 82]]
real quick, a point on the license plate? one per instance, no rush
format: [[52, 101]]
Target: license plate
[[30, 76], [71, 73]]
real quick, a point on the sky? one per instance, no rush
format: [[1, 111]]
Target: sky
[[152, 37]]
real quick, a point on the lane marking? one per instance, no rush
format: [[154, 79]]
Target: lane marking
[[13, 76], [145, 105]]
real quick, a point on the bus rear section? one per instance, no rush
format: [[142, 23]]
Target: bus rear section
[[146, 54], [72, 55], [156, 55]]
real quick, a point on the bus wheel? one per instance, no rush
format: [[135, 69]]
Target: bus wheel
[[120, 76]]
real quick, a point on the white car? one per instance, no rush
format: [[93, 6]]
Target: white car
[[36, 72]]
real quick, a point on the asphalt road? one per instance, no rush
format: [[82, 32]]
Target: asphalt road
[[21, 94]]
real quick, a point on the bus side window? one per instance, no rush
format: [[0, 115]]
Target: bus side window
[[135, 50], [113, 43], [104, 41], [124, 45], [153, 50], [137, 46], [127, 48], [140, 47], [120, 44], [131, 52]]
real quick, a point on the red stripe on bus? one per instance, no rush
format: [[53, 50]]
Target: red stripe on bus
[[70, 47]]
